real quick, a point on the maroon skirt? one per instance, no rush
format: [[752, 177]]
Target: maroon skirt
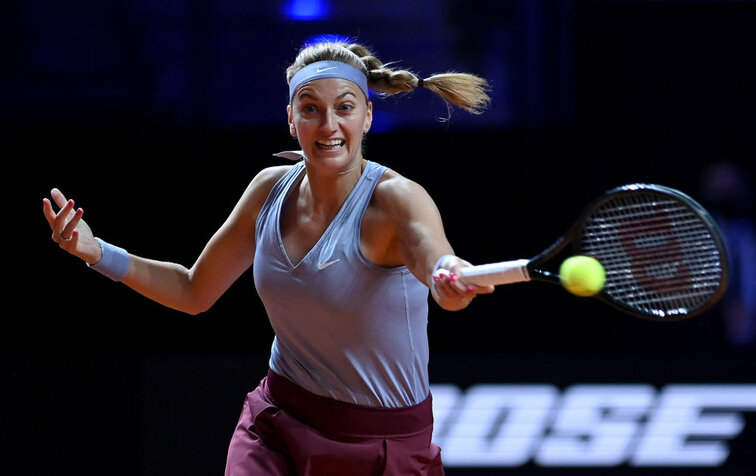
[[287, 430]]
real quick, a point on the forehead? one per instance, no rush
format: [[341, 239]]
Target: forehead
[[328, 88]]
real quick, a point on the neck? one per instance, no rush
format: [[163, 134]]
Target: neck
[[327, 193], [359, 165]]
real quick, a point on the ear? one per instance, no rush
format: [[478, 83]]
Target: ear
[[290, 119], [368, 118]]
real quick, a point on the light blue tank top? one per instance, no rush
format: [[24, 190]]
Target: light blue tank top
[[344, 327]]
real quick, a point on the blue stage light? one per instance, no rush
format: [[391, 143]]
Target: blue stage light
[[306, 10]]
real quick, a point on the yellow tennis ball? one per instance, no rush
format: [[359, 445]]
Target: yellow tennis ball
[[582, 275]]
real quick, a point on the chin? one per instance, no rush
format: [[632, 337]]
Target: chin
[[338, 160]]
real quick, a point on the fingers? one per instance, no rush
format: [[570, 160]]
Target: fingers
[[63, 224], [48, 211], [481, 289], [68, 230], [60, 201], [59, 198], [450, 294], [451, 290], [451, 283], [74, 239], [447, 278], [60, 221]]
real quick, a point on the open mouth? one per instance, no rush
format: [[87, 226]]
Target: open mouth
[[333, 144]]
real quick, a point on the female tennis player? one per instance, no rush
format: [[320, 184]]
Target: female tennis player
[[344, 254]]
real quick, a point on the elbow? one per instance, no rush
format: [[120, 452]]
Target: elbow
[[197, 308], [193, 311], [190, 304], [196, 299]]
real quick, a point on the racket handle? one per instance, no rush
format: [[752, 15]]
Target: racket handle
[[505, 272]]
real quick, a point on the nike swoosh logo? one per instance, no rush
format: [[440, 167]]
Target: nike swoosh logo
[[320, 70], [322, 266]]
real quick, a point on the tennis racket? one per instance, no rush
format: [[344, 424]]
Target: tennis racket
[[663, 254]]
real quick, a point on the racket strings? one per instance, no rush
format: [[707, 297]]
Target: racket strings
[[668, 260], [698, 274], [660, 257]]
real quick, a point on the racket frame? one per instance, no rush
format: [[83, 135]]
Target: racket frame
[[531, 270]]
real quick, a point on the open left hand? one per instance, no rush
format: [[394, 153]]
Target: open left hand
[[69, 230]]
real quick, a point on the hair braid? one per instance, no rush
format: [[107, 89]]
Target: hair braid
[[467, 91]]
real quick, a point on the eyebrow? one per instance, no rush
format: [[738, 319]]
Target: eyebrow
[[340, 96]]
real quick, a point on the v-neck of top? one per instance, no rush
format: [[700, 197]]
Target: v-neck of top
[[327, 231]]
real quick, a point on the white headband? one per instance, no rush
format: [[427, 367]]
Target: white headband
[[327, 69]]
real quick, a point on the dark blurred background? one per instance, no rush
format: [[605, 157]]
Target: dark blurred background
[[155, 115]]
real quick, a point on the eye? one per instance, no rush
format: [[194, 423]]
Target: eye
[[347, 107]]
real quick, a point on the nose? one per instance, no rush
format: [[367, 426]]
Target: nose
[[328, 123]]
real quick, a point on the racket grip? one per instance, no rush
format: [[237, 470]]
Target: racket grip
[[505, 272]]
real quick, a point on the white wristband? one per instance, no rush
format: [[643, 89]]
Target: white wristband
[[114, 262]]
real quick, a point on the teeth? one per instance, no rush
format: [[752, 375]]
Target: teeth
[[331, 143]]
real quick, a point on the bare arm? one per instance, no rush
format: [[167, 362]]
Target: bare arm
[[419, 240], [225, 257]]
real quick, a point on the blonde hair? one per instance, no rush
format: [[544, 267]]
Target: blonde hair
[[467, 91]]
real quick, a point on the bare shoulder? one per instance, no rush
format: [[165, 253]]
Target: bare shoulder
[[268, 177], [403, 226], [396, 194], [258, 190], [263, 182]]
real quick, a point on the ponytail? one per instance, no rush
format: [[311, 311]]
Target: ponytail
[[466, 91]]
